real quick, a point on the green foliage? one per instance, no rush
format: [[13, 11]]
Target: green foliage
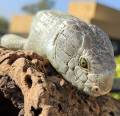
[[3, 25], [116, 95], [117, 75], [41, 5], [117, 60]]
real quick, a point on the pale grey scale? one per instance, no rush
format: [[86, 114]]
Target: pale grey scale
[[61, 43], [62, 55], [73, 41], [72, 63], [97, 58], [77, 22], [76, 37], [45, 23], [50, 18], [80, 74], [104, 44], [31, 44], [64, 67], [47, 20], [66, 44], [97, 68], [97, 65], [70, 76], [71, 46], [79, 84], [61, 58], [37, 32], [76, 70], [35, 25], [69, 49]]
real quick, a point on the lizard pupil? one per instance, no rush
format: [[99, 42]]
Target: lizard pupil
[[83, 63]]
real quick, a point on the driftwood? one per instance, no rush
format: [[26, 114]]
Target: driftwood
[[30, 86]]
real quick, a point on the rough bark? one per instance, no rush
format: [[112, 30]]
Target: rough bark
[[32, 87]]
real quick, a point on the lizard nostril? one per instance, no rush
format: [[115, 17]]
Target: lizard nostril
[[95, 89]]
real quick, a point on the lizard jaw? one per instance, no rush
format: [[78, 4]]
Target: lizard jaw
[[98, 86]]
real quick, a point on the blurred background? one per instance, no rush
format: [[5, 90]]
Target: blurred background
[[16, 17]]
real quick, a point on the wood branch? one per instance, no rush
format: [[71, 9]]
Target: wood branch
[[36, 89]]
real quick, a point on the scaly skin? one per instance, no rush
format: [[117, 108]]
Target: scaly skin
[[64, 39]]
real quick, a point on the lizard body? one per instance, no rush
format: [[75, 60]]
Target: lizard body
[[80, 52]]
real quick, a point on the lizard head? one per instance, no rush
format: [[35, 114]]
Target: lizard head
[[95, 63], [96, 72], [87, 59]]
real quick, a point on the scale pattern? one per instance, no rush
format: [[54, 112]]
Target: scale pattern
[[63, 40]]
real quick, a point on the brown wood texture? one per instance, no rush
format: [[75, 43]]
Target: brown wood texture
[[34, 88]]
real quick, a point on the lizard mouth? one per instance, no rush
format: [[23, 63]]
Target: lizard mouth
[[95, 91], [97, 86], [93, 84]]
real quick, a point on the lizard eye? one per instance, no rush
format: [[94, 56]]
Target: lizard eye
[[83, 63]]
